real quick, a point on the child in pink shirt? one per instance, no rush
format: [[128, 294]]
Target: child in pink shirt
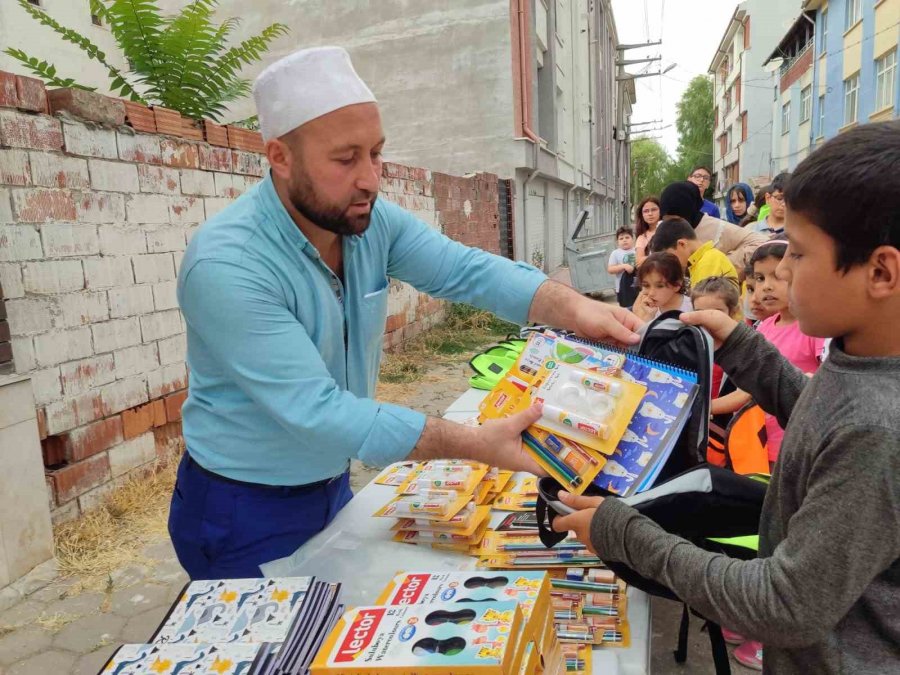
[[781, 328]]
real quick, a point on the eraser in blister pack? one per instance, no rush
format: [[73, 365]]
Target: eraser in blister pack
[[438, 505], [477, 638]]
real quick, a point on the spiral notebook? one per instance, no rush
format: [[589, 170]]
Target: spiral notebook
[[656, 425]]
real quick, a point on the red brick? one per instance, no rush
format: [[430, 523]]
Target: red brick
[[39, 205], [158, 412], [173, 405], [139, 117], [191, 129], [76, 479], [215, 159], [88, 105], [32, 94], [92, 439], [38, 132], [53, 451], [180, 154], [167, 121], [215, 134], [137, 420], [8, 96], [395, 322], [244, 139]]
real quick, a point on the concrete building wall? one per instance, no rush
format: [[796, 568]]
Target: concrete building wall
[[844, 52], [19, 30], [766, 21]]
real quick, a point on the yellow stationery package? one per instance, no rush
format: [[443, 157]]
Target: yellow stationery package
[[478, 638]]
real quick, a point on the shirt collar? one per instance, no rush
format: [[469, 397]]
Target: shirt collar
[[699, 253], [288, 228]]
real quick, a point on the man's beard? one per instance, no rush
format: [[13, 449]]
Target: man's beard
[[331, 218]]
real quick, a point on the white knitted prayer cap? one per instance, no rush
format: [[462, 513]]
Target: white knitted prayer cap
[[305, 85]]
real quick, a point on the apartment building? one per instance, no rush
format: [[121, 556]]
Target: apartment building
[[742, 146]]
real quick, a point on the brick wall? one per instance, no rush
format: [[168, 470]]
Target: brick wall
[[98, 200]]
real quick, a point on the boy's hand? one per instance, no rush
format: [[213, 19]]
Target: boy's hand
[[629, 269], [719, 324], [580, 521]]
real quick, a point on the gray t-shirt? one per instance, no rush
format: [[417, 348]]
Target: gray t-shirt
[[619, 257], [824, 594]]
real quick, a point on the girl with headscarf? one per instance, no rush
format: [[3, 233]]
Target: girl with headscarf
[[683, 200], [646, 218], [737, 202]]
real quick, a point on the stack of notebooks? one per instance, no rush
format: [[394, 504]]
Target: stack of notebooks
[[448, 622], [443, 503], [238, 626], [610, 418]]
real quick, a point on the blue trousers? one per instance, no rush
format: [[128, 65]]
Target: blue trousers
[[223, 530]]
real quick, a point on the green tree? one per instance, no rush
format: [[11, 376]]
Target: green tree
[[650, 168], [180, 61], [694, 122]]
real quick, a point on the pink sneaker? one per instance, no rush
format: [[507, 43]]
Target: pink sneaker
[[733, 638], [750, 654]]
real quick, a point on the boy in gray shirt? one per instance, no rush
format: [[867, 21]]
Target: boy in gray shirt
[[824, 594]]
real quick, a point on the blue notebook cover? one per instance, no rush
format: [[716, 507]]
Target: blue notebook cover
[[654, 429]]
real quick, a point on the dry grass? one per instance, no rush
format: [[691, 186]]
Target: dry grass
[[112, 535], [464, 331], [54, 622]]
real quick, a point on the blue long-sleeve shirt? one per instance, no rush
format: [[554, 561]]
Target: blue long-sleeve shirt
[[710, 209], [275, 395]]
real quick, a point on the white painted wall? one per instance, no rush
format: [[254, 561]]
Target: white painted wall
[[19, 30]]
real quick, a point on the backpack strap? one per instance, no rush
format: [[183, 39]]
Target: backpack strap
[[719, 649], [680, 652]]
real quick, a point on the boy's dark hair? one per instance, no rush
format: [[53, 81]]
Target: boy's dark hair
[[666, 264], [624, 230], [774, 248], [779, 183], [702, 166], [861, 162], [724, 287], [668, 232]]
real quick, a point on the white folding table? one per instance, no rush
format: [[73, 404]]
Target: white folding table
[[356, 550]]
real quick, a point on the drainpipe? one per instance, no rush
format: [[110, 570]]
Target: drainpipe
[[524, 73], [814, 90], [524, 100]]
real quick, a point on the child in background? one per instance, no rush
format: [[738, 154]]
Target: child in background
[[781, 327], [622, 262], [720, 294], [661, 281], [699, 259]]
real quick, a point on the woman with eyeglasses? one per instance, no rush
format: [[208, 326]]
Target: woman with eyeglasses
[[646, 218]]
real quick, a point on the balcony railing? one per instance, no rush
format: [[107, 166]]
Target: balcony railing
[[789, 63]]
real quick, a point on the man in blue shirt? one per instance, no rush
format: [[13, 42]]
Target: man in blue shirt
[[701, 176], [284, 295]]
